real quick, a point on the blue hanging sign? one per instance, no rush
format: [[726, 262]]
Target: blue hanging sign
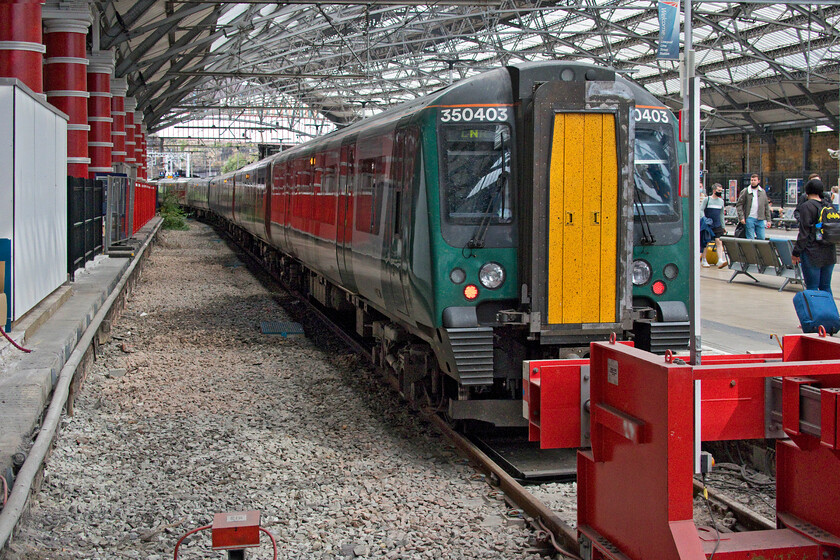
[[669, 30]]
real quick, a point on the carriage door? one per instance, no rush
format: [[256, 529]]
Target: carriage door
[[344, 225], [582, 199], [399, 224]]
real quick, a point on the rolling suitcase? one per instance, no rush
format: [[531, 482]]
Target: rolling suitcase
[[711, 254], [815, 308]]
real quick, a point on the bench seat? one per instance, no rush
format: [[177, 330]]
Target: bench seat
[[762, 256]]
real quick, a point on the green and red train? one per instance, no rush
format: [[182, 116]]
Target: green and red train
[[518, 214]]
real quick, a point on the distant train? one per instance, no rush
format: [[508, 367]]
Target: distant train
[[178, 186], [519, 214]]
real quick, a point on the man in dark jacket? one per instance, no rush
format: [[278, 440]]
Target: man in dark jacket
[[753, 208], [803, 197]]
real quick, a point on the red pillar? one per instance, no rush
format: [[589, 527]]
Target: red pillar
[[65, 82], [21, 47], [138, 144], [100, 144], [145, 151], [130, 142], [118, 90]]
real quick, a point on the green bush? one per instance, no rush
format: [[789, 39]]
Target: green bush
[[173, 216], [236, 161]]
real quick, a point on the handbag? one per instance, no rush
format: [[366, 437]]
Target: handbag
[[741, 231]]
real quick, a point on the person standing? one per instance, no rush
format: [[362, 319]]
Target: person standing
[[835, 198], [753, 208], [804, 197], [817, 258], [712, 207]]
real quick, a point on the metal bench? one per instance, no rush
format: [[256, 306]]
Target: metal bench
[[756, 256], [786, 219], [730, 215]]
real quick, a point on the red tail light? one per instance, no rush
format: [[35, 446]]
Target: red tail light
[[658, 287], [470, 291]]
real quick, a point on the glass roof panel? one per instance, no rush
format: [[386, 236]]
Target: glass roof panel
[[399, 52]]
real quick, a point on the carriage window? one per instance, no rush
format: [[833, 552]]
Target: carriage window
[[329, 179], [476, 173], [656, 179], [371, 180]]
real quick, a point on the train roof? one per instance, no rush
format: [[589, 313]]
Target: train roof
[[581, 72]]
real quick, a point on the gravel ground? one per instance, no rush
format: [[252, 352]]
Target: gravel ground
[[189, 410], [559, 497], [752, 489]]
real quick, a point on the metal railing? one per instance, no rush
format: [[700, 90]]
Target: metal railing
[[84, 222]]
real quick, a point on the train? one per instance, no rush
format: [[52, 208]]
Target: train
[[518, 214]]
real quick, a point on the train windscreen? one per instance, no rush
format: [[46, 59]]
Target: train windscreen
[[476, 173], [656, 180]]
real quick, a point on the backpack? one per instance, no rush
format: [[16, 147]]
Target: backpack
[[828, 225]]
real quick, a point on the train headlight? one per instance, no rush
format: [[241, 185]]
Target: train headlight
[[641, 273], [670, 271], [491, 275], [457, 276]]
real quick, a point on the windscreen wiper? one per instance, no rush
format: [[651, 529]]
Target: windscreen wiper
[[647, 234], [480, 233]]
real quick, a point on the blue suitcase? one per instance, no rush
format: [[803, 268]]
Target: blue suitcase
[[816, 308]]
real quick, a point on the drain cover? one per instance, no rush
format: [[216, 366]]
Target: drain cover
[[283, 328]]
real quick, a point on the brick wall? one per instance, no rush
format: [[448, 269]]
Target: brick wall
[[778, 155], [781, 152]]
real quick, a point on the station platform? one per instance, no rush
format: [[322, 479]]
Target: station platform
[[743, 315], [52, 331]]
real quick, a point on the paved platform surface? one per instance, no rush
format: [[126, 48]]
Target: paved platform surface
[[51, 331], [741, 316]]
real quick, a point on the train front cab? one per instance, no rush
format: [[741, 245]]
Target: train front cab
[[594, 214], [560, 224], [661, 240]]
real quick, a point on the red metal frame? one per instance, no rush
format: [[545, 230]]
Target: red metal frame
[[144, 203], [635, 484], [552, 391], [236, 530]]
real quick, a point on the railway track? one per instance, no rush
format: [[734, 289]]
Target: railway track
[[556, 533]]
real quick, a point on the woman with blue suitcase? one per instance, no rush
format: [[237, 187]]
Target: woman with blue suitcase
[[815, 305], [817, 257]]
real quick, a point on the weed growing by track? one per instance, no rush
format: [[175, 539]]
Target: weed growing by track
[[173, 216]]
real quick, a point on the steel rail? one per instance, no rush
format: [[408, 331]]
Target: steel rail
[[348, 339], [565, 535], [745, 516]]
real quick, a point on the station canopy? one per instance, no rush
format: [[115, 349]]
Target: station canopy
[[285, 71]]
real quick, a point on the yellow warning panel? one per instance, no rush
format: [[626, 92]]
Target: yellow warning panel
[[583, 219]]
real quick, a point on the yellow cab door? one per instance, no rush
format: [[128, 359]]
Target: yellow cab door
[[583, 219]]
